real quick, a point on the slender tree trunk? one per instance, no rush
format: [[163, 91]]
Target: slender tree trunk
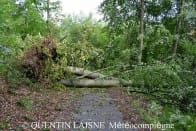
[[48, 14], [176, 39], [129, 43], [141, 35], [26, 26], [178, 27]]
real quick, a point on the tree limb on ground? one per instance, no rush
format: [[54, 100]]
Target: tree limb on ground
[[94, 83], [83, 76], [83, 72], [94, 79]]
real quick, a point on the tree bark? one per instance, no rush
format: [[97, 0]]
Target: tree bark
[[178, 27], [48, 14], [94, 79], [84, 73], [94, 83], [141, 35]]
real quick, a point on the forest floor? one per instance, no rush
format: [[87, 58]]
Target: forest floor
[[22, 108]]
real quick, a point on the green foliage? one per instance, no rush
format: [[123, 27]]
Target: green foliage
[[187, 48], [84, 37], [159, 114], [156, 8], [99, 36], [32, 40], [22, 18], [25, 102], [165, 83], [81, 54], [4, 125], [30, 19], [117, 55], [73, 54], [84, 54], [169, 23], [158, 43], [11, 47], [83, 28], [173, 78], [7, 10], [89, 44], [158, 75]]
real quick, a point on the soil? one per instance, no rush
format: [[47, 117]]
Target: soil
[[126, 106], [47, 105]]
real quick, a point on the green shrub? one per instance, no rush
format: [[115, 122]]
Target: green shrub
[[25, 102], [156, 76], [72, 54], [163, 82], [4, 125], [82, 54], [11, 47], [157, 43], [171, 115]]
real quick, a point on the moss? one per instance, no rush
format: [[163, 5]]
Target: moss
[[4, 125]]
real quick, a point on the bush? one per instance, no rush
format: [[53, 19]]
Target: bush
[[156, 76], [25, 102], [81, 54], [163, 82], [72, 54], [157, 43], [159, 114], [11, 47]]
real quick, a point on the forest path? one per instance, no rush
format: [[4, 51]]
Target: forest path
[[98, 107]]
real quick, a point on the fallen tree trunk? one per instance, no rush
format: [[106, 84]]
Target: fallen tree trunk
[[95, 83], [83, 76], [94, 79], [84, 73]]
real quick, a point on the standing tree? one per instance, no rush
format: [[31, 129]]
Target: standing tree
[[178, 26], [51, 9], [48, 9], [29, 19], [123, 17], [141, 32], [129, 18]]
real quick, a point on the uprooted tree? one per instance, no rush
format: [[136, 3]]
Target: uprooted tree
[[34, 59], [50, 60]]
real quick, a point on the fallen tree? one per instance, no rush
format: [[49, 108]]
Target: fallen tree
[[94, 83], [94, 79], [45, 61], [33, 62], [84, 73]]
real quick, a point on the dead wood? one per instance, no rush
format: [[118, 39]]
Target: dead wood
[[94, 79], [94, 83], [83, 72]]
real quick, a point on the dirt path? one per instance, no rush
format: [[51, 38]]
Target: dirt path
[[99, 107], [78, 105]]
